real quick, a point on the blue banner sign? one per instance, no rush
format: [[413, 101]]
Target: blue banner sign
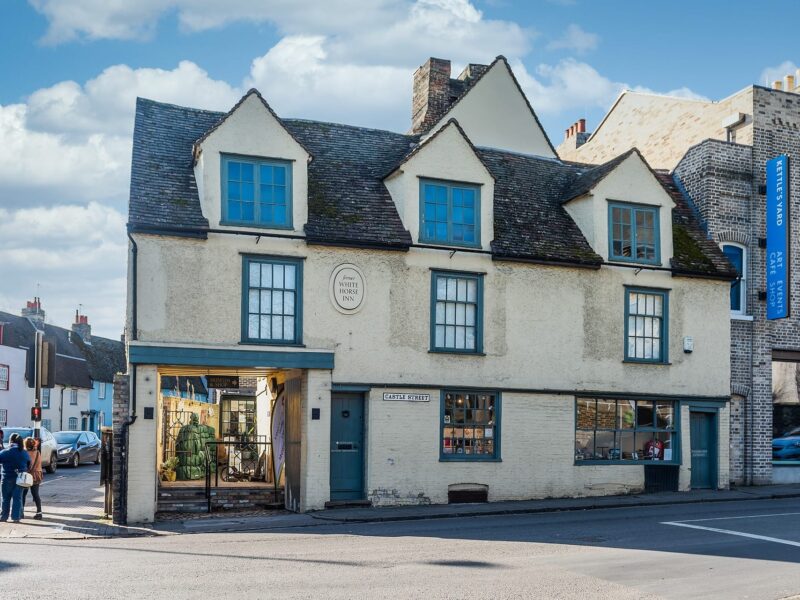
[[778, 237]]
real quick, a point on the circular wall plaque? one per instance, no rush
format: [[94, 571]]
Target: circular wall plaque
[[348, 288]]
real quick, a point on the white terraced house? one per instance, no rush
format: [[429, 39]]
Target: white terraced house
[[449, 314]]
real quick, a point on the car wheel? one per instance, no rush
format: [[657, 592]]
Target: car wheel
[[76, 460], [53, 466]]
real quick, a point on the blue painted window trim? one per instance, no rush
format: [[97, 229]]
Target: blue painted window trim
[[498, 413], [739, 285], [450, 185], [247, 260], [675, 430], [634, 209], [664, 341], [226, 357], [478, 278], [256, 162]]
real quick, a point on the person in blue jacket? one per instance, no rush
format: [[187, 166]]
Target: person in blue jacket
[[13, 460]]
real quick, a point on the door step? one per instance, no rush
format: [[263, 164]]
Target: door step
[[348, 504]]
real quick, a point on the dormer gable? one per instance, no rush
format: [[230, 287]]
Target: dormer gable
[[495, 113], [624, 211], [443, 191], [251, 172]]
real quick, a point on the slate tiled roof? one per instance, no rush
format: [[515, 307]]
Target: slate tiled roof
[[77, 364], [349, 204]]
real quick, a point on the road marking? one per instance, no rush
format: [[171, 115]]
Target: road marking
[[743, 517], [753, 536]]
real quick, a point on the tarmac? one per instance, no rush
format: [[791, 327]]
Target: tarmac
[[73, 509]]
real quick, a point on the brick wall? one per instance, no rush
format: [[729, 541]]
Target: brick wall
[[120, 411]]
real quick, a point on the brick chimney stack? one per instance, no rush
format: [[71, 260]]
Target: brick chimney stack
[[576, 133], [431, 97], [82, 328], [34, 312]]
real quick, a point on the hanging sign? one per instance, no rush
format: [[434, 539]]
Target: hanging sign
[[347, 288], [778, 237], [407, 397], [221, 382]]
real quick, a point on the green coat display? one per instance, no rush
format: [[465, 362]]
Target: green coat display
[[191, 451]]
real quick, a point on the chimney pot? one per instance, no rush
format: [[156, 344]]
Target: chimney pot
[[777, 85], [581, 125], [789, 83]]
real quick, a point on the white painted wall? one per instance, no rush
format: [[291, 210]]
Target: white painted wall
[[18, 399], [630, 182], [142, 473], [448, 156], [252, 131], [494, 114]]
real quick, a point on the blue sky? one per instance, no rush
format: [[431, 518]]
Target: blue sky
[[71, 69]]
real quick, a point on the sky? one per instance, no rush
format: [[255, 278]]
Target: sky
[[70, 71]]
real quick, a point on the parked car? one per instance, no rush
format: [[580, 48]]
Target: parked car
[[75, 447], [787, 447], [49, 445]]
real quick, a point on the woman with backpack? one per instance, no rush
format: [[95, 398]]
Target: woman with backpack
[[35, 469], [13, 460]]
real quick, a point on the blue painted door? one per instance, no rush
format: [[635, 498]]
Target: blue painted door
[[347, 447], [704, 450]]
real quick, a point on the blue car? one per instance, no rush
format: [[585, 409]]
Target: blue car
[[787, 447]]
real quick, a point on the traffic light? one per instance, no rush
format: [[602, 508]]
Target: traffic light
[[36, 414]]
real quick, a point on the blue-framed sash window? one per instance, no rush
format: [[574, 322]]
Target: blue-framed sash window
[[736, 255], [456, 312], [617, 430], [256, 192], [272, 300], [449, 213], [470, 427], [646, 325], [633, 233]]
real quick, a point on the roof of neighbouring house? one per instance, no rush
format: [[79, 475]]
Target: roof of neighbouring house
[[77, 364], [349, 204], [184, 384]]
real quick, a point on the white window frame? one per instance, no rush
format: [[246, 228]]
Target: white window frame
[[3, 417], [101, 391], [5, 379], [743, 280], [70, 422], [73, 397]]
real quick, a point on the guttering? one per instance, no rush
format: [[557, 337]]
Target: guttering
[[548, 262]]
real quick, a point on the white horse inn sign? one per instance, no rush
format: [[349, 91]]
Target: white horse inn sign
[[348, 288]]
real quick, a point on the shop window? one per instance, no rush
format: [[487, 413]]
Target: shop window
[[786, 410], [456, 312], [449, 213], [470, 428], [634, 233], [272, 300], [616, 430], [73, 424], [646, 325], [737, 255], [45, 397], [4, 376], [256, 192]]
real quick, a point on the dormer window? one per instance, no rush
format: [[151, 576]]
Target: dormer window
[[256, 192], [633, 235], [449, 213]]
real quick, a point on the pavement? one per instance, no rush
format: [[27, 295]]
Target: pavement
[[73, 509], [745, 549]]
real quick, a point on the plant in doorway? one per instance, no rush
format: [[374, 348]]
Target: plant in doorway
[[167, 470]]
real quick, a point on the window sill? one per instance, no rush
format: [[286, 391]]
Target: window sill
[[630, 361], [253, 225], [660, 463], [457, 352], [472, 459], [738, 317], [268, 343]]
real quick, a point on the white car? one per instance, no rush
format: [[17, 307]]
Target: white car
[[49, 446]]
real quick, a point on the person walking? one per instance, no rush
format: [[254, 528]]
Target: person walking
[[35, 469], [13, 461]]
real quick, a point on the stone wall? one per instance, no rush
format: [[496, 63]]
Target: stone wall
[[120, 415]]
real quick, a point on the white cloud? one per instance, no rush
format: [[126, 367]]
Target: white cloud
[[771, 74], [575, 39], [75, 253]]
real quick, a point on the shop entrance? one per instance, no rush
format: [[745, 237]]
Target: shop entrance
[[347, 447], [704, 450]]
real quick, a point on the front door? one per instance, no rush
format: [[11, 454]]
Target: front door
[[347, 447], [704, 450]]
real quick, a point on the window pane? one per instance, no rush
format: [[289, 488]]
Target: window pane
[[627, 414], [449, 337], [253, 301], [441, 288], [470, 339], [606, 414], [664, 416], [277, 303], [279, 173], [289, 277], [450, 313], [288, 328], [288, 303], [247, 172], [266, 328], [234, 170], [439, 340], [277, 276], [584, 445], [266, 275], [644, 414], [587, 412], [252, 326], [440, 313], [451, 288], [255, 274], [460, 314]]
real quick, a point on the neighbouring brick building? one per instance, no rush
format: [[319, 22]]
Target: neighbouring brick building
[[718, 151], [445, 315]]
